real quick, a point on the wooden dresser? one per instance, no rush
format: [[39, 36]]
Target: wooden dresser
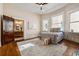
[[7, 30]]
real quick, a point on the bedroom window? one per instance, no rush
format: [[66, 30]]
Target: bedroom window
[[74, 22], [45, 25], [57, 22]]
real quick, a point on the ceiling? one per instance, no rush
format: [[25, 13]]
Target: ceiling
[[32, 7]]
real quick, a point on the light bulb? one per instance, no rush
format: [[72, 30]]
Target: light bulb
[[41, 5]]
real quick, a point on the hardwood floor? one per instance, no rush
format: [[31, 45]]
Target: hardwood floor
[[11, 49], [69, 51], [72, 47]]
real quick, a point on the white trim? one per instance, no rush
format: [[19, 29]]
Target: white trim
[[70, 18]]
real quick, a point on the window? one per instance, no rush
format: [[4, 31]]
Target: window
[[45, 25], [74, 22], [57, 22]]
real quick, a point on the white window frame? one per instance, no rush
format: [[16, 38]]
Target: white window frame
[[62, 23], [72, 21]]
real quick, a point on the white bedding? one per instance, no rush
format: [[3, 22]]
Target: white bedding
[[58, 36]]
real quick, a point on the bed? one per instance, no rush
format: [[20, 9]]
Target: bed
[[55, 35]]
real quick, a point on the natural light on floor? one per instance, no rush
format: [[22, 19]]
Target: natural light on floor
[[25, 46]]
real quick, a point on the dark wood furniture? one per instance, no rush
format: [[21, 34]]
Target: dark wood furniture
[[18, 34], [7, 30], [18, 28]]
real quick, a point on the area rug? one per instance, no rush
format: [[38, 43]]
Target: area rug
[[76, 52], [35, 47]]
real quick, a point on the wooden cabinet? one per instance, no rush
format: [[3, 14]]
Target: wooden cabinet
[[7, 30], [18, 34], [18, 28], [10, 29]]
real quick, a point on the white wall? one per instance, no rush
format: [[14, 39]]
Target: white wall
[[0, 21], [65, 11], [16, 13]]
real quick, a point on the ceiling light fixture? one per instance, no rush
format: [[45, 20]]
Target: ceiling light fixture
[[41, 3], [41, 6]]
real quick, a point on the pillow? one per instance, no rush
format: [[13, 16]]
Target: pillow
[[55, 30]]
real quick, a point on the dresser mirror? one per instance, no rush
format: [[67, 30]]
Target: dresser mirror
[[18, 28]]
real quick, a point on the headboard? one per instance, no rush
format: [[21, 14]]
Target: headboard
[[55, 30]]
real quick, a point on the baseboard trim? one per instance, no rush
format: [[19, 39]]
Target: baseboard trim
[[26, 39]]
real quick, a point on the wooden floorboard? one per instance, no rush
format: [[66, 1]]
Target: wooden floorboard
[[10, 49], [72, 47], [71, 44]]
